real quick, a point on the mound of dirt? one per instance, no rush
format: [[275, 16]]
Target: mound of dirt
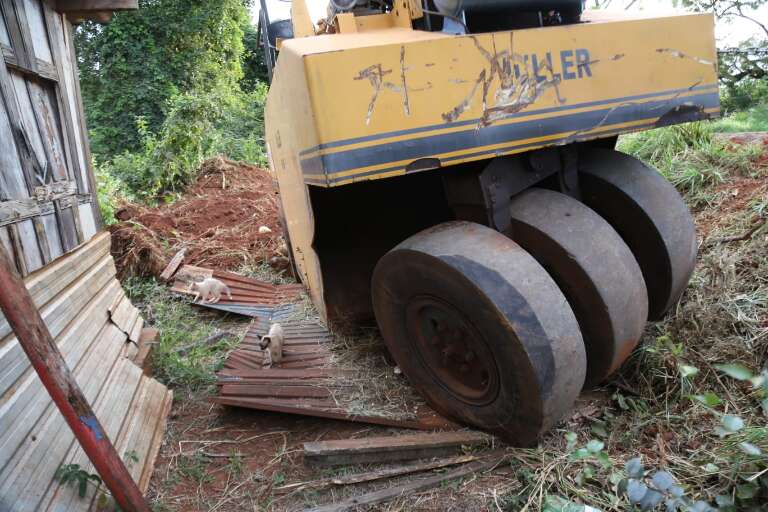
[[218, 220]]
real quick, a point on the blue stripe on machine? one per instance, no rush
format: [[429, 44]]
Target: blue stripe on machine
[[413, 149], [524, 113], [489, 152]]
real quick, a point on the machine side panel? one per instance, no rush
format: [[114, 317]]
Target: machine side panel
[[416, 105], [290, 125]]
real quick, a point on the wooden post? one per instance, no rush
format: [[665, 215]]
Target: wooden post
[[37, 342]]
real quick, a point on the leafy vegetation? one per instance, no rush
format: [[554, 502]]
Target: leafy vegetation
[[180, 325], [752, 119], [690, 155], [74, 475], [198, 126], [166, 87]]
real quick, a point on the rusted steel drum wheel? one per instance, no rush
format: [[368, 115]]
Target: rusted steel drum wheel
[[594, 269], [480, 330], [651, 217]]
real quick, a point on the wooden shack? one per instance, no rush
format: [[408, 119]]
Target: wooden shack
[[50, 225]]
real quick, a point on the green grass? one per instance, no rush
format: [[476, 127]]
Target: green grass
[[180, 324], [754, 119], [690, 156]]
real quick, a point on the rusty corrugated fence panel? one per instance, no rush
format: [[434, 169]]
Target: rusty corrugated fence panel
[[250, 297]]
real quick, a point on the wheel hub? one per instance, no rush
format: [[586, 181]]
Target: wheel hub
[[452, 349]]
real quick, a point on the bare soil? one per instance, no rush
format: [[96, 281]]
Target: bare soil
[[217, 220]]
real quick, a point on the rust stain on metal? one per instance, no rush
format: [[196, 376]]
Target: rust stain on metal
[[305, 382]]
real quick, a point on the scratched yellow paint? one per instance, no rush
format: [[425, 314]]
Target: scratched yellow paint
[[441, 72], [381, 79]]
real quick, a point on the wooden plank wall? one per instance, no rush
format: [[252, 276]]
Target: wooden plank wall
[[92, 321], [47, 204]]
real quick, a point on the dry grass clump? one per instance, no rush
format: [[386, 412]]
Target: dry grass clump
[[374, 388]]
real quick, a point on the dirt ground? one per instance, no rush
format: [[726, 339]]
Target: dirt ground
[[217, 220], [223, 459]]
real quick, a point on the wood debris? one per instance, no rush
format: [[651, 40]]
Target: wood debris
[[391, 448]]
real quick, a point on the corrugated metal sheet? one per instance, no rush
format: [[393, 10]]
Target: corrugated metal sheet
[[305, 382], [250, 297], [90, 318]]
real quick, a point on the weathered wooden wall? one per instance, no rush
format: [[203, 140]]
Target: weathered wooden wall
[[49, 222], [47, 205], [95, 327]]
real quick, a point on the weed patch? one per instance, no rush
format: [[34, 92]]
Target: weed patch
[[690, 156], [180, 325]]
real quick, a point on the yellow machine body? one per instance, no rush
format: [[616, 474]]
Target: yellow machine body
[[380, 100]]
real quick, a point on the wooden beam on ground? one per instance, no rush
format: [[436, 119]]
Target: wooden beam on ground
[[24, 318], [370, 476], [400, 491], [390, 448], [173, 265], [147, 341]]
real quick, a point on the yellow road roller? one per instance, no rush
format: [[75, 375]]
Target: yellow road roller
[[448, 169]]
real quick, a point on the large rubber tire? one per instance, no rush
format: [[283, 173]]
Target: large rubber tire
[[651, 217], [594, 269], [480, 330]]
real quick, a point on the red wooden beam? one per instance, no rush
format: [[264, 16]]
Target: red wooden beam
[[37, 342]]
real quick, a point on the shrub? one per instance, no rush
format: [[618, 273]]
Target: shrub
[[199, 125]]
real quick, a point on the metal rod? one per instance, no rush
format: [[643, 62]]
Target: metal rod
[[37, 342]]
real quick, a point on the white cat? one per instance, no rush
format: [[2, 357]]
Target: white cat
[[209, 290]]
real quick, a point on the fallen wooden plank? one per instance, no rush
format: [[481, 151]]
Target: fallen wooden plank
[[400, 491], [278, 373], [378, 474], [147, 341], [390, 448], [290, 407], [275, 391], [173, 265]]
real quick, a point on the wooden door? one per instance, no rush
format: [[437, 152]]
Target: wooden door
[[47, 189]]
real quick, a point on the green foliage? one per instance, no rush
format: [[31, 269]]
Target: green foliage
[[131, 67], [179, 325], [195, 467], [162, 91], [109, 190], [254, 66], [74, 475], [689, 155], [754, 119], [198, 126]]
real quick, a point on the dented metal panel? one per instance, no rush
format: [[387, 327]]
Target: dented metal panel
[[384, 101]]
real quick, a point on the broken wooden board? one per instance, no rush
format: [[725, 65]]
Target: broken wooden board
[[250, 297], [305, 382], [148, 338], [372, 498], [379, 474], [391, 448], [173, 265]]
